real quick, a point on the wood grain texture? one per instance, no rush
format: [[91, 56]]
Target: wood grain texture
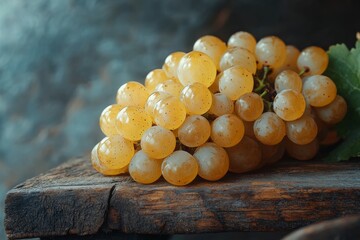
[[75, 199]]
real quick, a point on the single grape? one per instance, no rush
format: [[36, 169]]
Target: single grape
[[235, 82], [154, 78], [115, 152], [195, 131], [170, 86], [290, 63], [153, 100], [101, 168], [292, 54], [270, 51], [213, 161], [331, 138], [319, 90], [227, 130], [314, 60], [132, 122], [288, 79], [243, 40], [244, 156], [212, 46], [180, 168], [107, 119], [289, 105], [172, 63], [196, 67], [269, 129], [197, 98], [249, 106], [302, 131], [144, 169], [272, 153], [221, 105], [132, 94], [158, 142], [169, 113], [238, 57], [302, 152], [334, 112]]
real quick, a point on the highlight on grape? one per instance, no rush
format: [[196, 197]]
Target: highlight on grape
[[235, 106]]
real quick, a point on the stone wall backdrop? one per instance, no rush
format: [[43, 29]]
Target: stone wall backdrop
[[61, 61]]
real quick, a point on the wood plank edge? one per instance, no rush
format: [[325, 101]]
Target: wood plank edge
[[25, 217]]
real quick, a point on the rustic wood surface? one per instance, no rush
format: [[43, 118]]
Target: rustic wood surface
[[75, 199]]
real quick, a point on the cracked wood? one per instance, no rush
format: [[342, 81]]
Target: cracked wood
[[75, 199]]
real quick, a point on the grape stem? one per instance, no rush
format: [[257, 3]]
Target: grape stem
[[262, 81], [261, 85], [302, 72], [268, 105], [266, 71], [263, 94]]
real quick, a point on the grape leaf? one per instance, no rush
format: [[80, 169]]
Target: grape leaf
[[344, 70]]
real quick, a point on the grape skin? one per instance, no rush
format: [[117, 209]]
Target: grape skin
[[243, 40], [144, 169], [197, 98], [153, 99], [288, 79], [238, 57], [115, 152], [269, 129], [195, 131], [227, 130], [132, 94], [249, 106], [302, 131], [196, 67], [154, 78], [290, 63], [158, 142], [171, 64], [270, 51], [180, 168], [319, 90], [169, 113], [132, 122], [101, 168], [289, 105], [314, 60], [221, 105], [213, 161], [235, 82], [334, 112], [107, 119], [212, 46], [272, 154], [302, 152], [245, 156], [170, 86]]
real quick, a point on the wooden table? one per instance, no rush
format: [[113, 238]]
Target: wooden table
[[75, 199]]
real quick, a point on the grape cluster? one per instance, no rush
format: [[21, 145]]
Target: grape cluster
[[221, 107]]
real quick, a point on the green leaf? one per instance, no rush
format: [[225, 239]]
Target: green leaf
[[344, 70], [350, 147]]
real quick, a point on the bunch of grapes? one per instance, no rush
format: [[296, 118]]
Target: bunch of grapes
[[221, 107]]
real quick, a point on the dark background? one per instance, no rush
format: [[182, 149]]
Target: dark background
[[61, 61]]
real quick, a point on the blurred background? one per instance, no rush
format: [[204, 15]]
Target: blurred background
[[62, 61]]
